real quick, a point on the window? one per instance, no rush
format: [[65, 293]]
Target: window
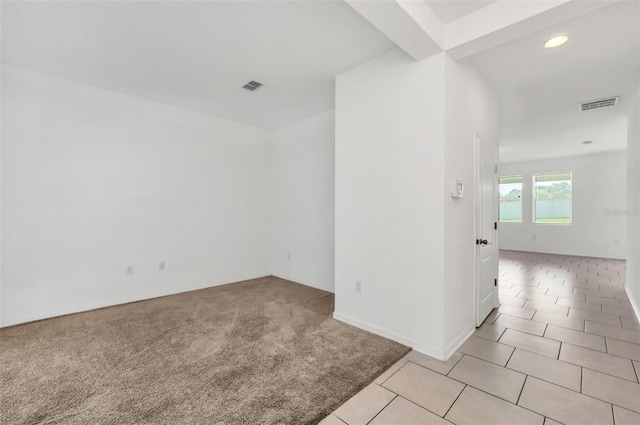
[[552, 198], [511, 199]]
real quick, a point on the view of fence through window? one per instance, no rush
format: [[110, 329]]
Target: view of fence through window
[[510, 189], [552, 198]]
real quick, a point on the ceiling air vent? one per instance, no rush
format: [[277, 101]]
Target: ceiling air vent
[[600, 103], [252, 85]]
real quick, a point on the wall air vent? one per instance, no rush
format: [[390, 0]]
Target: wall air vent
[[600, 103], [252, 85]]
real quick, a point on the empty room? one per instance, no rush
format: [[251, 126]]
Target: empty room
[[302, 212]]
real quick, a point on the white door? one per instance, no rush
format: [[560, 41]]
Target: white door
[[486, 233]]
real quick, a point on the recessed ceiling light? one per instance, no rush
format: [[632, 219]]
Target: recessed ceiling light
[[556, 41]]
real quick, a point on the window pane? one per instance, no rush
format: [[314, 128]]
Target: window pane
[[552, 198], [510, 190], [548, 210]]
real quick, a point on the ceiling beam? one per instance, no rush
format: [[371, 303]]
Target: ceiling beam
[[507, 20], [412, 25]]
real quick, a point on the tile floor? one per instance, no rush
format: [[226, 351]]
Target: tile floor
[[564, 347]]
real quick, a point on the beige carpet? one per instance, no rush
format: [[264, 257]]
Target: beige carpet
[[264, 351]]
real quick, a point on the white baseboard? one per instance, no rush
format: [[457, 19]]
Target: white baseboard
[[634, 303], [568, 254], [401, 339], [130, 298], [453, 346], [302, 282]]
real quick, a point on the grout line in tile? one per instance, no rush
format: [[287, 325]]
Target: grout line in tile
[[401, 367], [522, 388], [454, 401], [546, 325], [517, 317], [456, 362], [484, 360], [422, 407], [559, 350], [385, 406], [613, 415], [501, 334], [617, 339], [539, 379], [599, 371], [496, 318], [604, 401], [511, 355], [596, 351], [522, 407], [493, 395], [340, 419], [462, 357]]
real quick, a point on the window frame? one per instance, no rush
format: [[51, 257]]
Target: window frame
[[534, 198]]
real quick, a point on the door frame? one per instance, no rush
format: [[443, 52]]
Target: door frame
[[496, 302]]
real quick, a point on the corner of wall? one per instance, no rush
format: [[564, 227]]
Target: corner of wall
[[632, 285], [302, 201], [470, 109]]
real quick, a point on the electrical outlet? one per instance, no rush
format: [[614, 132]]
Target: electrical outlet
[[161, 265], [289, 256], [129, 270], [358, 286]]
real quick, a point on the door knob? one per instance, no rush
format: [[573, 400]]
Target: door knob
[[481, 242]]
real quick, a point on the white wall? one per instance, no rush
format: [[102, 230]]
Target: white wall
[[303, 202], [389, 212], [1, 185], [93, 181], [470, 107], [404, 131], [599, 183], [633, 206]]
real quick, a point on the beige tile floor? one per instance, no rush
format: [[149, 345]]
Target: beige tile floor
[[564, 347]]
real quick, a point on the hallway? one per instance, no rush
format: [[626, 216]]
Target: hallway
[[564, 347]]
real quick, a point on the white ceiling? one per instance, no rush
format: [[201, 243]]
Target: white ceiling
[[540, 89], [197, 55], [448, 11]]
